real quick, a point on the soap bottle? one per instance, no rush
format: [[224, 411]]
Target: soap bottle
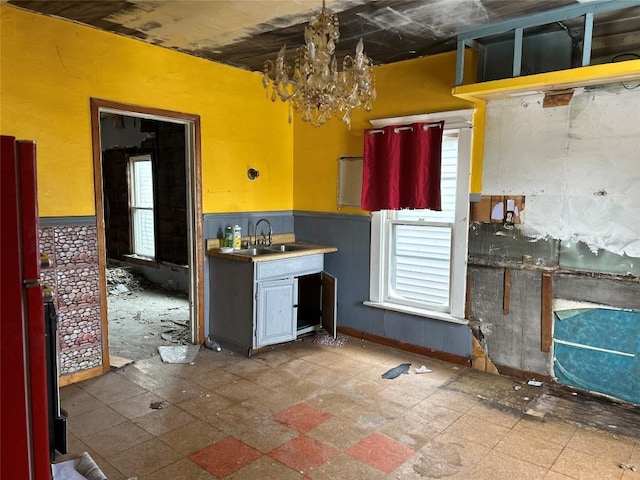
[[237, 236], [228, 237]]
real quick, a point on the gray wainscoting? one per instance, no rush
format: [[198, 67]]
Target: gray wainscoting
[[350, 265], [215, 223], [66, 221]]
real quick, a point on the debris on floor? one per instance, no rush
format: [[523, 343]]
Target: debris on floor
[[534, 413], [423, 369], [212, 345], [138, 319], [534, 383], [629, 466], [117, 362], [83, 467], [157, 405], [179, 354], [325, 338], [121, 280], [171, 286], [511, 393], [616, 418], [120, 288], [403, 368], [176, 335]]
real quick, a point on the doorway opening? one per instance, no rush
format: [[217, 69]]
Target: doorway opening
[[147, 179]]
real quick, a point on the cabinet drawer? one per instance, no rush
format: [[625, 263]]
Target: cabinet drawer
[[290, 267]]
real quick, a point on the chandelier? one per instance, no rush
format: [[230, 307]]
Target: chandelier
[[316, 89]]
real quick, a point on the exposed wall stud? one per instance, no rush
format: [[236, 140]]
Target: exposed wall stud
[[506, 296], [546, 310]]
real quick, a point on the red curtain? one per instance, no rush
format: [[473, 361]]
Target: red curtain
[[401, 167]]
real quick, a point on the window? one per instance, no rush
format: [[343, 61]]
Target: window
[[418, 257], [141, 204]]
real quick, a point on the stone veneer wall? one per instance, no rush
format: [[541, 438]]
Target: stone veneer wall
[[73, 250]]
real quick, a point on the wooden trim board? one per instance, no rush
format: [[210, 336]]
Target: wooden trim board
[[65, 380], [546, 309], [506, 294], [195, 198], [408, 347]]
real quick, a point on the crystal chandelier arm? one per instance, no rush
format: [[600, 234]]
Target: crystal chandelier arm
[[266, 78], [359, 54]]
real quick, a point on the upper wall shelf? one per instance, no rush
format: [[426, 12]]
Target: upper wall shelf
[[628, 71], [551, 41]]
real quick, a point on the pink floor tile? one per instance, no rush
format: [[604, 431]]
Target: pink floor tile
[[381, 452], [302, 417], [303, 454], [225, 456]]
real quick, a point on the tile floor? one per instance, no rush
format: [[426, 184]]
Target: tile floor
[[305, 411]]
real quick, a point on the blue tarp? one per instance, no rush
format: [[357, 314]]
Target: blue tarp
[[598, 350]]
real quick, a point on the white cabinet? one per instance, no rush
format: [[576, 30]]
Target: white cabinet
[[276, 305], [256, 304], [289, 267]]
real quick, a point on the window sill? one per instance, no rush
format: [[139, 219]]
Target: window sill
[[435, 315], [138, 260]]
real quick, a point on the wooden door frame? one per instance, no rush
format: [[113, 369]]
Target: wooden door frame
[[194, 199]]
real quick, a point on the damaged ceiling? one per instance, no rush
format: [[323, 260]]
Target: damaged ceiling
[[244, 33]]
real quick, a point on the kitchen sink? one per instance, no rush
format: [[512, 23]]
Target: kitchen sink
[[254, 251], [258, 250], [287, 247]]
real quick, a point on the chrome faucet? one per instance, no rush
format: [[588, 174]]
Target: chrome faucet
[[256, 232]]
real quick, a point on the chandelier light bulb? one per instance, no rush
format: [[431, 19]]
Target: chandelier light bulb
[[314, 87]]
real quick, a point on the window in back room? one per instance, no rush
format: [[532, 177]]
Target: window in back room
[[141, 206]]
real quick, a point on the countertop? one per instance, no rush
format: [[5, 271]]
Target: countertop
[[309, 249]]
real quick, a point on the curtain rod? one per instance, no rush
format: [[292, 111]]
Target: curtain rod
[[380, 130], [426, 126]]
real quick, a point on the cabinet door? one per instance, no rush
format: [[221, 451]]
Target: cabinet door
[[329, 303], [276, 311]]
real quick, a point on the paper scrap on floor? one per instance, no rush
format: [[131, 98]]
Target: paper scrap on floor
[[81, 468], [423, 369], [179, 354]]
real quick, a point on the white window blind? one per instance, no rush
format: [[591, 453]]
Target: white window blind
[[141, 203]]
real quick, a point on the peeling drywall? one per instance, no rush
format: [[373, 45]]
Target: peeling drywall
[[578, 165]]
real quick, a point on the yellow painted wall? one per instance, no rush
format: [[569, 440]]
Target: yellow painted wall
[[50, 68], [417, 86]]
